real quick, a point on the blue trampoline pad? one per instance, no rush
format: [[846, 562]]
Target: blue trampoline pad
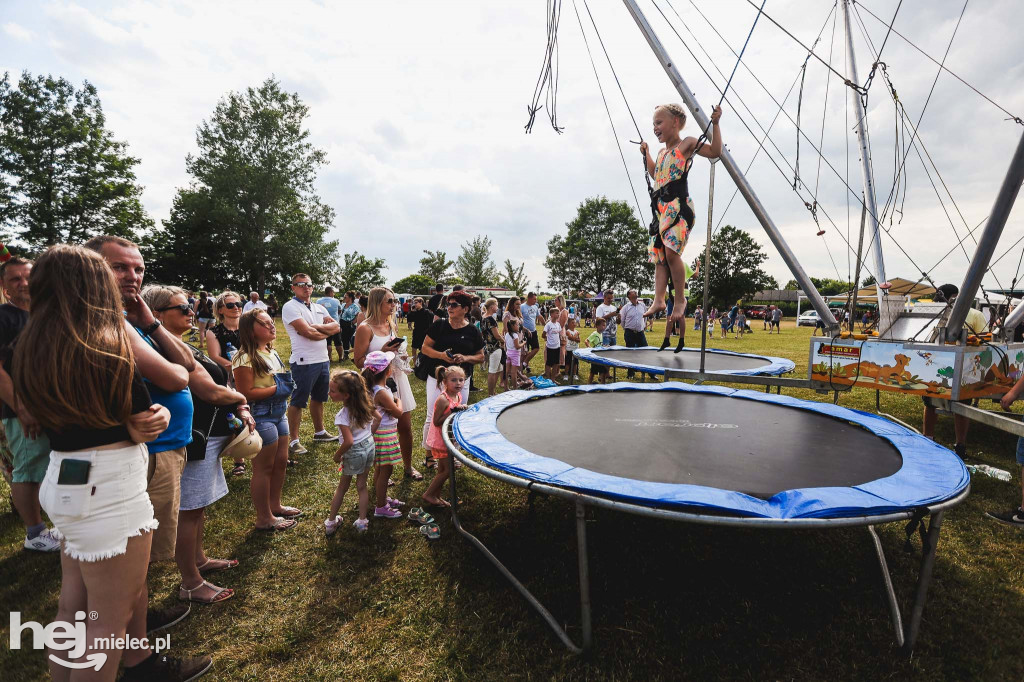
[[734, 451], [652, 361]]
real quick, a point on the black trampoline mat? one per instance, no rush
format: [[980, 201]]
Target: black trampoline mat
[[749, 446], [685, 360]]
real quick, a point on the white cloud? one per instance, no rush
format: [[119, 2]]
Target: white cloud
[[421, 107]]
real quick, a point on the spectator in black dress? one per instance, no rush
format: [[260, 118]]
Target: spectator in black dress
[[419, 320], [451, 341]]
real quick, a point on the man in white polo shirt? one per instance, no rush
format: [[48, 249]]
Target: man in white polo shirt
[[253, 302], [308, 325], [633, 323]]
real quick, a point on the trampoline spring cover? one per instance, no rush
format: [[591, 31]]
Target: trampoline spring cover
[[613, 356], [927, 474]]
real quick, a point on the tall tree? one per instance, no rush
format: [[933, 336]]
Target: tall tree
[[605, 247], [436, 266], [515, 278], [258, 169], [735, 271], [474, 265], [413, 284], [359, 273], [63, 177]]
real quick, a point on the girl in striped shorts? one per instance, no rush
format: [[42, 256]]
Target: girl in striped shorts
[[377, 371]]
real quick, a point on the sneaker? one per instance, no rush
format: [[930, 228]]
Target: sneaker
[[323, 437], [331, 525], [44, 542], [161, 668], [161, 619], [361, 525], [395, 504], [1014, 517], [387, 512], [295, 448]]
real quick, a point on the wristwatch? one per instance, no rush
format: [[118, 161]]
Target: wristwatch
[[150, 328]]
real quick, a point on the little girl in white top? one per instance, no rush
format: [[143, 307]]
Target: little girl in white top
[[514, 344], [356, 423]]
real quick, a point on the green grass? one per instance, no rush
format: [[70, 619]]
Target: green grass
[[670, 600]]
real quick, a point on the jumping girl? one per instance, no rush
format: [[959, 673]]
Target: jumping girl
[[451, 379], [672, 202], [376, 372], [356, 422]]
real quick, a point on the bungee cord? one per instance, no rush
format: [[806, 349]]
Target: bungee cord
[[547, 80]]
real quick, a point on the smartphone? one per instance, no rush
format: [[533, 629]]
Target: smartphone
[[74, 472]]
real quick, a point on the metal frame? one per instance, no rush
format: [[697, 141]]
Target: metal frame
[[906, 634]]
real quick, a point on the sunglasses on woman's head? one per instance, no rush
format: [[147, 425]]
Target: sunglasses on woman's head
[[239, 304], [183, 308]]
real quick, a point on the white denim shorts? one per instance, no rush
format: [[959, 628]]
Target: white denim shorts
[[96, 519]]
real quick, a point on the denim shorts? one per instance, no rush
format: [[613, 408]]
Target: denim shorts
[[310, 381], [269, 415], [358, 458]]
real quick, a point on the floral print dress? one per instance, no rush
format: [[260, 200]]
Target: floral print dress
[[671, 165]]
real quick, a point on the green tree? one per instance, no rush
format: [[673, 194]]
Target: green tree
[[436, 266], [63, 177], [868, 281], [515, 278], [359, 273], [474, 265], [257, 170], [413, 284], [605, 247], [735, 271], [826, 286]]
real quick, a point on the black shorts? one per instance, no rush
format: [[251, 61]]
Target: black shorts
[[552, 356], [334, 339], [532, 340]]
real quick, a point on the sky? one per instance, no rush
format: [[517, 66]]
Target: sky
[[421, 106]]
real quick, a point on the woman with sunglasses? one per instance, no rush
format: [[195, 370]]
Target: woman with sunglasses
[[378, 332], [451, 341], [202, 479], [222, 343]]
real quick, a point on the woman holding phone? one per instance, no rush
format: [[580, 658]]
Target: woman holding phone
[[94, 490], [377, 332]]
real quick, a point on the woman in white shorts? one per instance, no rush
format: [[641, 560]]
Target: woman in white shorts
[[493, 343], [95, 486]]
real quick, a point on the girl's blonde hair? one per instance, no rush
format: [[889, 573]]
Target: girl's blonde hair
[[218, 305], [353, 384], [676, 110], [249, 345], [73, 363], [375, 305], [442, 373]]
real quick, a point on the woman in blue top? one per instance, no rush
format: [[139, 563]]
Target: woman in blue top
[[349, 311]]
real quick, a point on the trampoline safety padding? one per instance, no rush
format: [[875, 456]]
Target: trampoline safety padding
[[776, 462], [650, 360]]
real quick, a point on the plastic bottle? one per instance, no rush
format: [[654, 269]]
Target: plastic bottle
[[230, 351], [234, 422], [998, 474]]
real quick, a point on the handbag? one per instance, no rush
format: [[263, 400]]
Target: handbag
[[422, 367]]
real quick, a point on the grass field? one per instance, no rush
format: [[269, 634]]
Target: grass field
[[671, 601]]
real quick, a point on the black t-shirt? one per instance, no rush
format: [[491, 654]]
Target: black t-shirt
[[465, 340], [75, 437], [421, 320], [12, 320], [437, 305]]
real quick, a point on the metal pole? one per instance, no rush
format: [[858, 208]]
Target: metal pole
[[583, 558], [865, 160], [730, 165], [707, 267], [924, 579], [987, 243], [856, 273]]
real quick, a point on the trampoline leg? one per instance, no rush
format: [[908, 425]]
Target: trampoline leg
[[924, 579], [581, 548], [894, 607], [544, 613], [767, 389], [906, 635]]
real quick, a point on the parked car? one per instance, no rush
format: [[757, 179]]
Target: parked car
[[756, 312], [809, 319]]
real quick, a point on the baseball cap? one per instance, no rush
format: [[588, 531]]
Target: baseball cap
[[243, 446]]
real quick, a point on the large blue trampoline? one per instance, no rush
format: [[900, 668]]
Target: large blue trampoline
[[650, 360], [711, 455]]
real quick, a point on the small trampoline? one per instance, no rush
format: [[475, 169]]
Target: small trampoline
[[714, 455], [652, 361]]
